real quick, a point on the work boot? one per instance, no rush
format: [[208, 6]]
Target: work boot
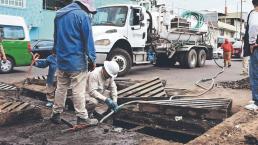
[[56, 118], [88, 121]]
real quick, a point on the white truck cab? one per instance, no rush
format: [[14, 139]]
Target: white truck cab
[[130, 35], [118, 31]]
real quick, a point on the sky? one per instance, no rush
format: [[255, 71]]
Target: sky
[[212, 5]]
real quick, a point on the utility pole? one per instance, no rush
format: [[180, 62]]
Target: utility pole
[[226, 8], [241, 19]]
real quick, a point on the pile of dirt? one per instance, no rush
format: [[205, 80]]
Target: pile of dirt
[[45, 132], [239, 84], [240, 129]]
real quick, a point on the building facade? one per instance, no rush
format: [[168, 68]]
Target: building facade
[[39, 21]]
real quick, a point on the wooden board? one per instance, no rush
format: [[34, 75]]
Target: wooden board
[[147, 90], [216, 109], [189, 126], [18, 112]]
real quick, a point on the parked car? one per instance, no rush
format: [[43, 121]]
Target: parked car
[[237, 49], [16, 42], [218, 53], [42, 47]]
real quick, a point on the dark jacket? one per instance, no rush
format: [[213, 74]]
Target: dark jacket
[[51, 63], [73, 41]]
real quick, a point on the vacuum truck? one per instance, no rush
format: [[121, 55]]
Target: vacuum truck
[[146, 32]]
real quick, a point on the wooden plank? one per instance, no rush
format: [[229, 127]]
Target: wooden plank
[[162, 94], [186, 111], [135, 86], [188, 126], [148, 90], [136, 90], [156, 92], [11, 107], [21, 107], [17, 117], [5, 105]]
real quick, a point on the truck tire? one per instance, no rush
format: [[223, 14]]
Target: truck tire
[[123, 58], [7, 66], [201, 58], [189, 59]]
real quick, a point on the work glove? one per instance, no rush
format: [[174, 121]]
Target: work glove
[[111, 104]]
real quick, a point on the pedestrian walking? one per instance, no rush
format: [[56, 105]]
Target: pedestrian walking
[[227, 52], [74, 45], [252, 49], [101, 84], [50, 62]]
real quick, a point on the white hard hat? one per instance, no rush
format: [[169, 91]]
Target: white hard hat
[[88, 4], [112, 68]]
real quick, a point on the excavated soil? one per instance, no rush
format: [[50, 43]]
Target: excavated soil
[[46, 133], [239, 84]]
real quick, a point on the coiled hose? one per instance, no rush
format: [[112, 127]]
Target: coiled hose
[[198, 17]]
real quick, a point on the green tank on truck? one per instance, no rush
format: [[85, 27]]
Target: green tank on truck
[[16, 42]]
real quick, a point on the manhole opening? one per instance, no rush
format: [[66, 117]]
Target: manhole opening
[[155, 132]]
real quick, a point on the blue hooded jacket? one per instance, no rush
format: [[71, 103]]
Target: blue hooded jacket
[[51, 63], [73, 40]]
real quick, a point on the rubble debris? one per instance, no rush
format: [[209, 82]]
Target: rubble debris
[[239, 84], [47, 133], [227, 132], [17, 112]]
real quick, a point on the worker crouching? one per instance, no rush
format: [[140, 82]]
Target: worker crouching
[[101, 82]]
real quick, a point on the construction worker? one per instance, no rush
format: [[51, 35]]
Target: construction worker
[[227, 52], [2, 52], [74, 45], [51, 77], [252, 33], [100, 81]]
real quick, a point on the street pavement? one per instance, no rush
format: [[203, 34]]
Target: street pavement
[[176, 77]]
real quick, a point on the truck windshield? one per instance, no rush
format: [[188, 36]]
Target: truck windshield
[[110, 16]]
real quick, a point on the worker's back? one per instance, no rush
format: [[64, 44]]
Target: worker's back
[[71, 28]]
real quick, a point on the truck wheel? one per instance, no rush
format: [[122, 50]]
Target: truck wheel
[[123, 58], [201, 57], [190, 59], [7, 66]]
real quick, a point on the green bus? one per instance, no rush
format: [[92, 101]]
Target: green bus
[[16, 43]]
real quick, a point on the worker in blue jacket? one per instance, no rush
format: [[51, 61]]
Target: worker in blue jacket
[[74, 45], [51, 77]]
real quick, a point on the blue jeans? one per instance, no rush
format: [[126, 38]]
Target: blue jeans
[[254, 74]]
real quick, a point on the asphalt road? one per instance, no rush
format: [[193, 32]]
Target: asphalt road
[[176, 77]]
